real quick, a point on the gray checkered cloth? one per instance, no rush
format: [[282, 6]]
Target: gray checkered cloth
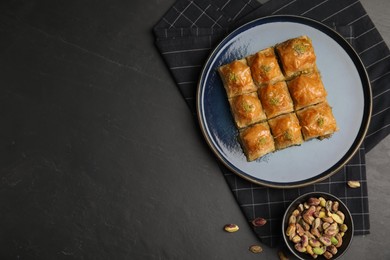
[[189, 31]]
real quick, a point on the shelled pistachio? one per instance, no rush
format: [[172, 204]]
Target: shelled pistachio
[[316, 227]]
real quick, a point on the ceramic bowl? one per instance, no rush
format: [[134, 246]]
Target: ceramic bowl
[[346, 239]]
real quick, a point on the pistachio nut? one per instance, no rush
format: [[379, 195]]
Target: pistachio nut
[[313, 202], [315, 232], [328, 219], [335, 206], [325, 225], [309, 249], [300, 248], [318, 250], [316, 223], [354, 184], [296, 239], [332, 230], [290, 232], [299, 229], [304, 241], [322, 201], [334, 241], [314, 243], [332, 249], [305, 225], [259, 222], [343, 227], [308, 215], [231, 228], [341, 215], [325, 241], [337, 219], [255, 249], [309, 235], [339, 240], [292, 219], [328, 205], [321, 214], [328, 255]]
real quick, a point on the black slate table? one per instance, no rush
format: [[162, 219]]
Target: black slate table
[[100, 157]]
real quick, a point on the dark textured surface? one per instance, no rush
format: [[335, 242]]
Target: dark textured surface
[[100, 156]]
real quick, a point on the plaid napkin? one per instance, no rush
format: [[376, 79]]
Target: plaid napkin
[[189, 31]]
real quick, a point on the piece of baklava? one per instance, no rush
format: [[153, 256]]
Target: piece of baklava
[[296, 56], [276, 99], [256, 141], [307, 89], [236, 77], [317, 121], [286, 131], [264, 67], [246, 109]]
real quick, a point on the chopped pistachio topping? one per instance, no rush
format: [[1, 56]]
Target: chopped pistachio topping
[[247, 107], [262, 140], [232, 77], [274, 101], [266, 68], [300, 48], [288, 135], [320, 121]]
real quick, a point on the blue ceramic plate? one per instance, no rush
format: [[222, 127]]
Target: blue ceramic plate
[[349, 93]]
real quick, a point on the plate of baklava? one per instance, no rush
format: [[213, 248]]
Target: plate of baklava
[[284, 101]]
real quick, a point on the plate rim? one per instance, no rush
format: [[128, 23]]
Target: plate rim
[[364, 79]]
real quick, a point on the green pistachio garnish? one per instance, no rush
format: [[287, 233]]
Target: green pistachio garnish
[[300, 48], [232, 77], [266, 68], [288, 135], [320, 121], [247, 107], [274, 101], [262, 140]]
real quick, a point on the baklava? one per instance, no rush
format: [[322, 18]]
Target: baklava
[[276, 99], [265, 67], [307, 89], [317, 121], [237, 79], [286, 131], [256, 141], [246, 109], [296, 56]]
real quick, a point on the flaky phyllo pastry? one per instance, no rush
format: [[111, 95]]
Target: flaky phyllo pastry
[[277, 98]]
